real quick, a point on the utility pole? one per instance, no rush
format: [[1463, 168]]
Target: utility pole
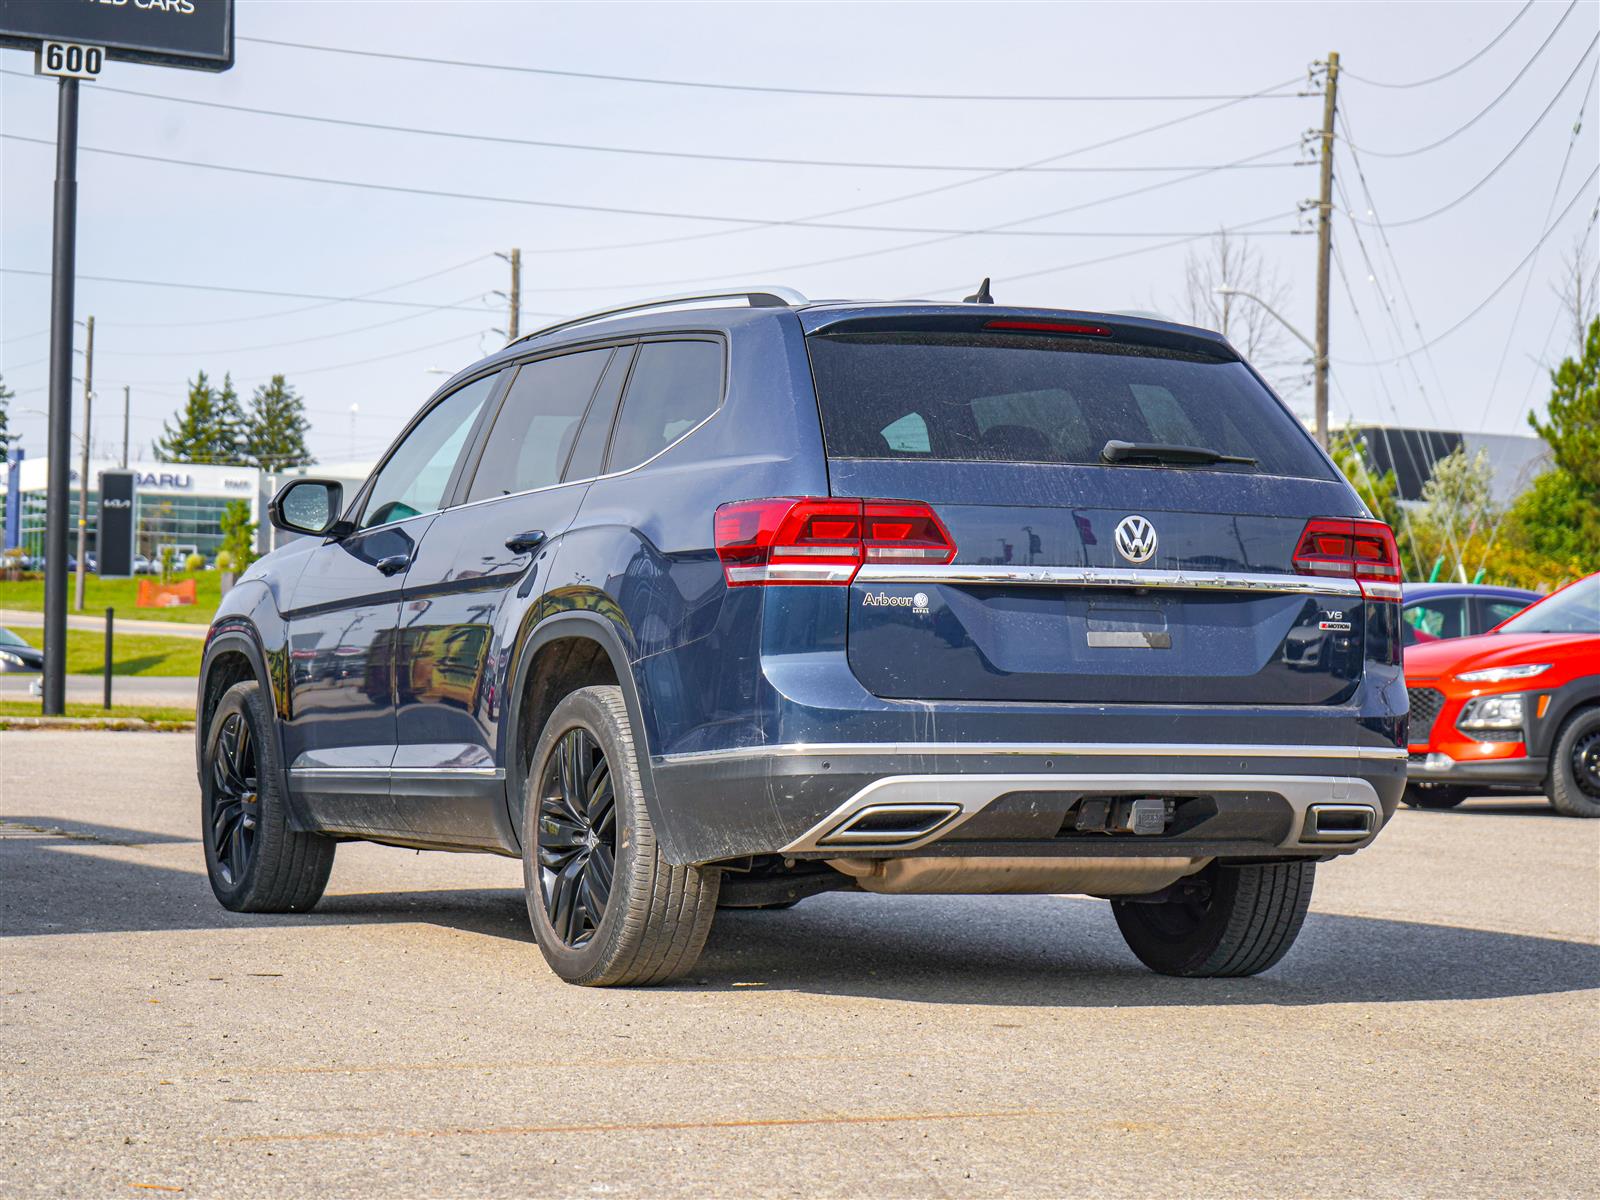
[[514, 296], [1330, 93], [83, 474], [124, 427]]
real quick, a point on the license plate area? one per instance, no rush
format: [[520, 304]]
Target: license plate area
[[1111, 626]]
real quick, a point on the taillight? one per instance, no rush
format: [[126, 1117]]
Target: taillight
[[810, 540], [1361, 550]]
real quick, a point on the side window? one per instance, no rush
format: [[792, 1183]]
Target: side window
[[414, 479], [1430, 620], [1492, 612], [674, 386], [589, 455], [537, 423]]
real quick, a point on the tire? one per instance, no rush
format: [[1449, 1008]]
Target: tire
[[654, 918], [1574, 784], [256, 862], [1433, 796], [1247, 923]]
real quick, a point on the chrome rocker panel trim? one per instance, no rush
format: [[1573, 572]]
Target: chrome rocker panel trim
[[974, 793]]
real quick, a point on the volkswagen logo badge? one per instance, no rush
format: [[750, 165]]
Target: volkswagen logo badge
[[1136, 539]]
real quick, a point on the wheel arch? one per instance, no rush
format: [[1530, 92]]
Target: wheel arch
[[1564, 703], [234, 655], [609, 663]]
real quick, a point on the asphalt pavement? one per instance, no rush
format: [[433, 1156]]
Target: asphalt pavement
[[1434, 1033]]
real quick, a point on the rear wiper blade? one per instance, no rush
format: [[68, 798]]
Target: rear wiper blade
[[1133, 452]]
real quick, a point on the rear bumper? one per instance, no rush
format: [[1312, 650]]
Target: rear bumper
[[830, 801], [1499, 772]]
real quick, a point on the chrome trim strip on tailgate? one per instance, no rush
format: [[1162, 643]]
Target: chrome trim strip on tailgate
[[1049, 749], [1113, 577]]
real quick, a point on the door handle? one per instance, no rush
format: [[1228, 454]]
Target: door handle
[[526, 543], [393, 564]]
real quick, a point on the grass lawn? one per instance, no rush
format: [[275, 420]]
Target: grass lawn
[[135, 653], [155, 715], [120, 594]]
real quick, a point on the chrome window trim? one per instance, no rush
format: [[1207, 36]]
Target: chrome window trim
[[1046, 749], [1120, 577], [687, 433]]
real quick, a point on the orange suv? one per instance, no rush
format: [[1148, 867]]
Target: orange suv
[[1517, 708]]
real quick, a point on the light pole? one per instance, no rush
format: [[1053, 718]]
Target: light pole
[[1319, 360]]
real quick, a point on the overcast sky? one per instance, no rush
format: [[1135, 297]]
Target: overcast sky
[[162, 222]]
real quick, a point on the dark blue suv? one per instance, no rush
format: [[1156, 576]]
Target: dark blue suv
[[734, 599]]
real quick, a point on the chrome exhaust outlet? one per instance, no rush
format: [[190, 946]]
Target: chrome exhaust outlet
[[889, 825], [1338, 823]]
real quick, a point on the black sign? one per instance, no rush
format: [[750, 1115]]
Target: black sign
[[114, 528], [169, 33]]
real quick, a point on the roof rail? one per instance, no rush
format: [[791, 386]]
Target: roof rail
[[758, 297]]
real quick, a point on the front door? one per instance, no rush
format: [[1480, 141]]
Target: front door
[[343, 617]]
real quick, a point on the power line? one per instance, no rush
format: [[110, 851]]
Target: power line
[[568, 206], [1416, 83], [289, 312], [1527, 282], [1092, 262], [243, 291], [752, 226], [1495, 170], [320, 337], [725, 87], [1500, 287], [538, 143], [772, 271], [1526, 67]]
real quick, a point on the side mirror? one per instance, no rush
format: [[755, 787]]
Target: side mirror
[[308, 506]]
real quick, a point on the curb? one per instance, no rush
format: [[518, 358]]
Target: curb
[[116, 724]]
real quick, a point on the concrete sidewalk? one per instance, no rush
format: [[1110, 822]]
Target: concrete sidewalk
[[97, 622]]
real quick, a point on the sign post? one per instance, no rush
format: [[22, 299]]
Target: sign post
[[73, 41]]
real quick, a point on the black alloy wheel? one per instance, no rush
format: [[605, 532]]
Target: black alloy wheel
[[1573, 785], [1585, 758], [577, 837], [235, 797]]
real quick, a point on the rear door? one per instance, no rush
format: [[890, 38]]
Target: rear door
[[482, 563], [1066, 584]]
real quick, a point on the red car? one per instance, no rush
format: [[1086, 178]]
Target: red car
[[1517, 708]]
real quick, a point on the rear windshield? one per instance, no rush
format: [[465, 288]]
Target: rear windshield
[[984, 397], [1574, 609]]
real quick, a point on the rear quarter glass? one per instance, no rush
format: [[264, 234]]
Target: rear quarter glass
[[986, 397]]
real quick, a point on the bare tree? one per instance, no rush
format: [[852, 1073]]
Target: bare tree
[[1576, 289], [1231, 262]]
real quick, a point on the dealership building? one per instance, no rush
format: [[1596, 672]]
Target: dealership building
[[175, 504]]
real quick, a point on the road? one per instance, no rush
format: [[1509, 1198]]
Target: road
[[1434, 1032], [161, 691], [96, 623]]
